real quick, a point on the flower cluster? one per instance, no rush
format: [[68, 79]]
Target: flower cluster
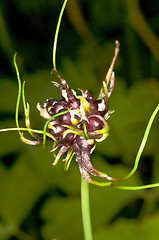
[[81, 122], [75, 124]]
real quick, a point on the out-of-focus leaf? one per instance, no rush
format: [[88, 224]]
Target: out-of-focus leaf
[[9, 141], [31, 176], [6, 230], [8, 95], [62, 218], [130, 229]]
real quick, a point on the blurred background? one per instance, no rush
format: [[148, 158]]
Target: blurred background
[[42, 202]]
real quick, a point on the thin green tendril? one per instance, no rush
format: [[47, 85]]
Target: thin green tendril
[[23, 96], [143, 143], [19, 94], [28, 130], [68, 160], [134, 188], [57, 33]]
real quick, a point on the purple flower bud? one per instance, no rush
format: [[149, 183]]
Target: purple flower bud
[[74, 103], [79, 128], [85, 123], [67, 139], [65, 119], [57, 130], [94, 123]]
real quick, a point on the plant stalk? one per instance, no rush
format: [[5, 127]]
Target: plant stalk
[[85, 206]]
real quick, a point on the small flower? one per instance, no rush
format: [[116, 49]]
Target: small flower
[[82, 125]]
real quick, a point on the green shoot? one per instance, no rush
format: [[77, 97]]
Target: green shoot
[[57, 33]]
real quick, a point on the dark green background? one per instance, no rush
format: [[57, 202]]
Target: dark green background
[[39, 201]]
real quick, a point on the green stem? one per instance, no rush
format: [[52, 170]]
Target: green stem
[[86, 209], [57, 33]]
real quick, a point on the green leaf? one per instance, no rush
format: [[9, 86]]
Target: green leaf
[[62, 218], [123, 229]]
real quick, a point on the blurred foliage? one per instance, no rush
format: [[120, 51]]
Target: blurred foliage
[[38, 201]]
